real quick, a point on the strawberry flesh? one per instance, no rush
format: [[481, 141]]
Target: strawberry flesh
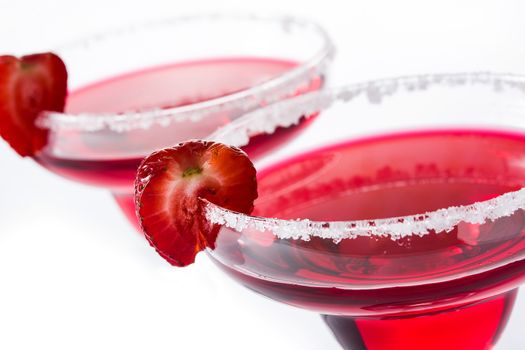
[[168, 189], [29, 85]]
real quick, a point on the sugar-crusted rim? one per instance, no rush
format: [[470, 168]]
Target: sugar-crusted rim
[[266, 120], [268, 91]]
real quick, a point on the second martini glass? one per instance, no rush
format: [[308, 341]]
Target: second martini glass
[[152, 85], [398, 215]]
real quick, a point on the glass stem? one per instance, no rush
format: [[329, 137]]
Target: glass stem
[[126, 202], [476, 326]]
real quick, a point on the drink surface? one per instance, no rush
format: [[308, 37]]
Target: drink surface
[[175, 85], [395, 175], [160, 87]]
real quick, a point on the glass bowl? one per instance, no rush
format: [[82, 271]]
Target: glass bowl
[[151, 85], [398, 214]]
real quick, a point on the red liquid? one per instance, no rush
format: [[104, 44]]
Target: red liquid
[[161, 87], [442, 290]]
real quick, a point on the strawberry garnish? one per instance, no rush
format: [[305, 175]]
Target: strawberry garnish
[[29, 85], [170, 185]]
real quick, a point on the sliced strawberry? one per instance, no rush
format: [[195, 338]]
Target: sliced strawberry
[[168, 187], [28, 86]]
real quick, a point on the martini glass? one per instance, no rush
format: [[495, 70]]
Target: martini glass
[[398, 215], [152, 85]]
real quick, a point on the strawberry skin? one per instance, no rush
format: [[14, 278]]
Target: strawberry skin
[[29, 85], [168, 189]]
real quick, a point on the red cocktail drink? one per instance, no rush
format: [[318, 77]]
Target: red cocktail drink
[[404, 232]]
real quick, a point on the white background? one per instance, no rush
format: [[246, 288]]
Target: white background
[[75, 275]]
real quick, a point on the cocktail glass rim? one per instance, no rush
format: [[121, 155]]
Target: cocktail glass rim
[[284, 84], [289, 112]]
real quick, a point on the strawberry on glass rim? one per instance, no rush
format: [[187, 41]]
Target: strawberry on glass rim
[[29, 85], [170, 185]]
